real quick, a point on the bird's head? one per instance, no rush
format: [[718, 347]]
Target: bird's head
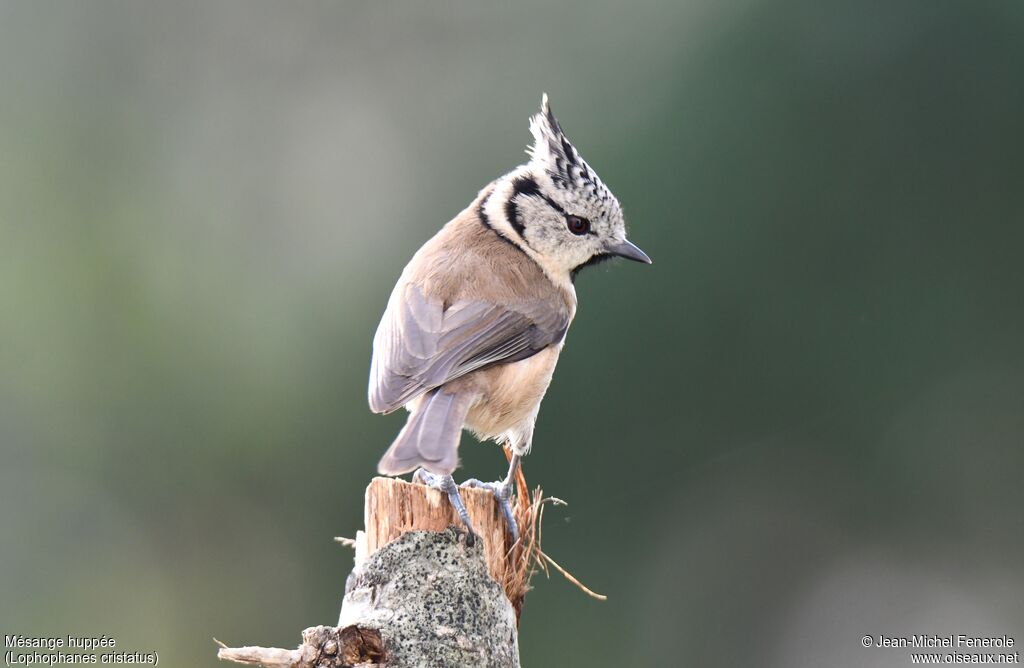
[[557, 209]]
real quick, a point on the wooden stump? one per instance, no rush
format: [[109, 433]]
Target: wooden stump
[[419, 594], [394, 507]]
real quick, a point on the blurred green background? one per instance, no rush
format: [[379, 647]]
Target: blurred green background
[[803, 424]]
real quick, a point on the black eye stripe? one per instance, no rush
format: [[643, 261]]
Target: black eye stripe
[[524, 185]]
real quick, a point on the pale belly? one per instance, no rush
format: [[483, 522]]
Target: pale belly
[[510, 396]]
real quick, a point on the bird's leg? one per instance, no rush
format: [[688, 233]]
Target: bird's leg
[[446, 484], [502, 491]]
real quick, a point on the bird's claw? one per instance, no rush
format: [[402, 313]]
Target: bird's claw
[[446, 484], [502, 491]]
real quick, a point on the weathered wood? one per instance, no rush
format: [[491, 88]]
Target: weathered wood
[[394, 507], [322, 647], [419, 594]]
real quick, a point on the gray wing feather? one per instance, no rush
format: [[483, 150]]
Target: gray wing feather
[[421, 345]]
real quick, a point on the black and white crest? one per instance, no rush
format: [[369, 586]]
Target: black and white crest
[[554, 153]]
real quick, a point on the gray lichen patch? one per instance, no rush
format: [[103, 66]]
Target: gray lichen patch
[[434, 603]]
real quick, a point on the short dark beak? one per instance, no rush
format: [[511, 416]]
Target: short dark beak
[[628, 250]]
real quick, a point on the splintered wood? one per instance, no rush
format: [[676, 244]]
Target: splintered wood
[[394, 507]]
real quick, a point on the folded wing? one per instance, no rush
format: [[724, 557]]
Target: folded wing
[[421, 343]]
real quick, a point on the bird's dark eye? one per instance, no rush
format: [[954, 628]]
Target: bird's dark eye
[[577, 225]]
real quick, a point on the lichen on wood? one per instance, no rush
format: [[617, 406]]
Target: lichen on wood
[[431, 597]]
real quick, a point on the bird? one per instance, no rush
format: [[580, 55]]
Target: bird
[[474, 326]]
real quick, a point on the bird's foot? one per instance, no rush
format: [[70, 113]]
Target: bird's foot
[[502, 491], [446, 484]]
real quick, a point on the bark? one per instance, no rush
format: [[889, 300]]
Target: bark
[[434, 603]]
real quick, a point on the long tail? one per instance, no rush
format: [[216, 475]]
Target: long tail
[[431, 436]]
